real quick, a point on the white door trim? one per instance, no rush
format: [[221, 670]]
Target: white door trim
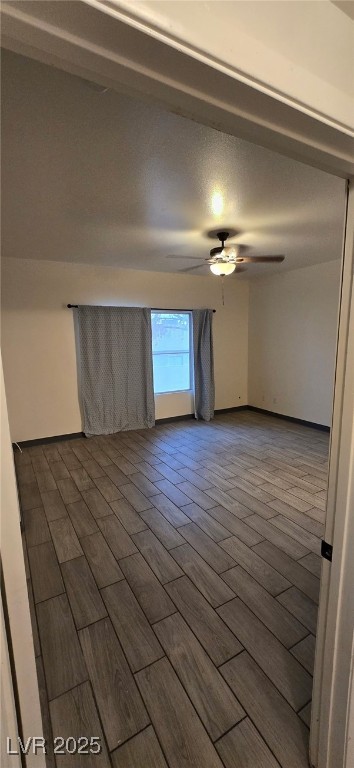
[[88, 42], [19, 627], [9, 725], [334, 663]]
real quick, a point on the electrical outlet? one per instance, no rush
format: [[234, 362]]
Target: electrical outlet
[[274, 400]]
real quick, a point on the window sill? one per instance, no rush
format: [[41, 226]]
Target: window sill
[[175, 392]]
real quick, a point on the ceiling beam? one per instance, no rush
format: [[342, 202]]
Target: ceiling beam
[[87, 40]]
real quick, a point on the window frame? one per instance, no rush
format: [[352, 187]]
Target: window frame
[[190, 351]]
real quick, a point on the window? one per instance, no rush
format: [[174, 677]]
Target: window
[[171, 351]]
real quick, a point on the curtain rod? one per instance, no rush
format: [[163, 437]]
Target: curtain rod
[[153, 309]]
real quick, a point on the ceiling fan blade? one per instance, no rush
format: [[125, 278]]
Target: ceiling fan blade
[[190, 269], [181, 257], [258, 259]]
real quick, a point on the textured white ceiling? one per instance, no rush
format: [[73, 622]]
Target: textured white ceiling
[[102, 178]]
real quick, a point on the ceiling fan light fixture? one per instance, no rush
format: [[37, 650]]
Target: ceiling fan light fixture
[[222, 269]]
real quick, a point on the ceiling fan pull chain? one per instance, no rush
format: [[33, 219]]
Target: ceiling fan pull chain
[[222, 291]]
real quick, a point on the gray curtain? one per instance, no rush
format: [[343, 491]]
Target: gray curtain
[[204, 389], [115, 369]]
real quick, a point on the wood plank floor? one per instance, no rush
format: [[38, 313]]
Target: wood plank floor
[[173, 575]]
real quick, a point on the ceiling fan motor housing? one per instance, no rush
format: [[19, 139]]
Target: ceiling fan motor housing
[[229, 255], [222, 236], [216, 251]]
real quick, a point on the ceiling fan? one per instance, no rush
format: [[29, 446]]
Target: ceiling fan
[[224, 259]]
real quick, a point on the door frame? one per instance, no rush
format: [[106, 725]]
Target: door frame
[[17, 652], [334, 638], [172, 72]]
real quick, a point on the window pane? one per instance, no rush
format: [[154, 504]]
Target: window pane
[[171, 353], [171, 372], [170, 332]]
